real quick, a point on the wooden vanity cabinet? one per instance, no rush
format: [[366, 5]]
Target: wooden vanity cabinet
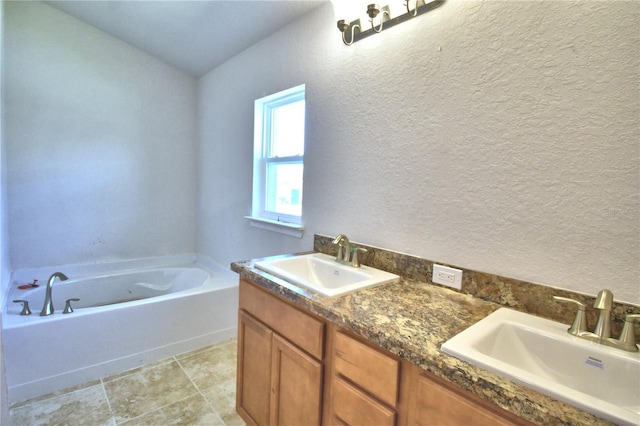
[[296, 369], [280, 372]]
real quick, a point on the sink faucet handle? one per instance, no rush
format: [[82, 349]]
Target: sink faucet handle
[[628, 337], [580, 322], [25, 307], [355, 260]]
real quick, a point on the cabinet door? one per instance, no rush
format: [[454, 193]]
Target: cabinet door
[[296, 386], [254, 367], [435, 403]]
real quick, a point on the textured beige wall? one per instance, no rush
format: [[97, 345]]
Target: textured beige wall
[[500, 136]]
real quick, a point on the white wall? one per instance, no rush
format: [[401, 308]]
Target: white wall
[[5, 270], [497, 136], [101, 143]]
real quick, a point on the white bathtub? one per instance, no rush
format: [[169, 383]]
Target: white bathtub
[[129, 314]]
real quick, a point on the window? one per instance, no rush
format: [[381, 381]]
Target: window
[[278, 161]]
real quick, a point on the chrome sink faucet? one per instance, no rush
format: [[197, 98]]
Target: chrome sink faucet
[[602, 332], [47, 309], [345, 250]]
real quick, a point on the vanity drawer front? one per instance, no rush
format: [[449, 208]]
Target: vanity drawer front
[[299, 328], [370, 369], [352, 407]]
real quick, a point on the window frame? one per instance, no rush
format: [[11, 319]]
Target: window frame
[[261, 216]]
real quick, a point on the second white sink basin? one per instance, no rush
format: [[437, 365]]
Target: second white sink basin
[[321, 273], [540, 354]]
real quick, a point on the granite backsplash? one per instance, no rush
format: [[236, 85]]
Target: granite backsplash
[[523, 296]]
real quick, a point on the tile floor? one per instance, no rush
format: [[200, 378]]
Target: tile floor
[[195, 388]]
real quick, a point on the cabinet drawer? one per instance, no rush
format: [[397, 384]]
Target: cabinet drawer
[[299, 328], [370, 369], [352, 407]]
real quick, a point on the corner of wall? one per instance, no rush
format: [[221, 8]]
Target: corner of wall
[[4, 257]]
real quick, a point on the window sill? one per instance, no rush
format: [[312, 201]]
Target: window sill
[[291, 229]]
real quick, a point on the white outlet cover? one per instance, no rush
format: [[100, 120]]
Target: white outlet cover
[[451, 277]]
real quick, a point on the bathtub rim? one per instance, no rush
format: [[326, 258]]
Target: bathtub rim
[[220, 277], [82, 269]]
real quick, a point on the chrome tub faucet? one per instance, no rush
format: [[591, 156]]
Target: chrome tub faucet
[[47, 309]]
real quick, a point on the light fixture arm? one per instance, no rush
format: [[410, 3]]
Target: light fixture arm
[[374, 10], [351, 27], [411, 12]]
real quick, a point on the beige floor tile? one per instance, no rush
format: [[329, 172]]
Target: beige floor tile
[[223, 398], [161, 393], [207, 348], [216, 365], [231, 341], [147, 390], [194, 352], [194, 410], [137, 370], [87, 406], [56, 393]]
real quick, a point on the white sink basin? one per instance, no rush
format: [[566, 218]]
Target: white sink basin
[[321, 273], [540, 354]]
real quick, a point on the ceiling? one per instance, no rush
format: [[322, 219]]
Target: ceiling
[[194, 36]]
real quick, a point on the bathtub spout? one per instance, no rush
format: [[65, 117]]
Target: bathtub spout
[[47, 309]]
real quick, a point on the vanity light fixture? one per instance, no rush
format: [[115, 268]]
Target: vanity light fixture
[[352, 31], [374, 10]]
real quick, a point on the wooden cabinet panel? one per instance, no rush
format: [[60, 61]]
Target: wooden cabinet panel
[[435, 402], [253, 374], [354, 408], [296, 386], [369, 368], [299, 328]]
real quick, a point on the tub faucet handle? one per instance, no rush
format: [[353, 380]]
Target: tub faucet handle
[[67, 307], [25, 307]]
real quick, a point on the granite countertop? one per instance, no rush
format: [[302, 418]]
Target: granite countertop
[[412, 319]]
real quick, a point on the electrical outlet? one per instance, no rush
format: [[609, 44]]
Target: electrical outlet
[[451, 277]]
